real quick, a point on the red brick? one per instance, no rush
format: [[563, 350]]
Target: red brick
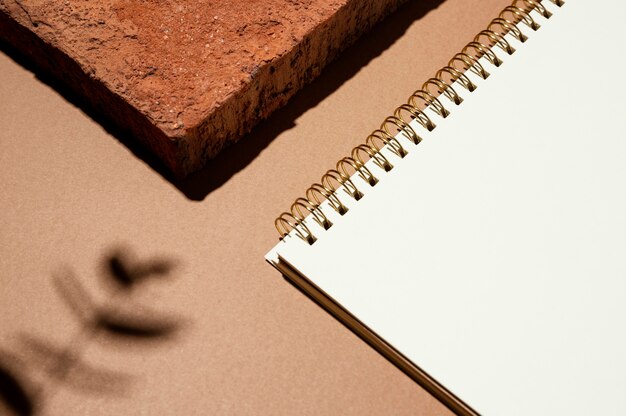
[[186, 77]]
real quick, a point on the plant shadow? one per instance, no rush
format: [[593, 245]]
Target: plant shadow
[[35, 368]]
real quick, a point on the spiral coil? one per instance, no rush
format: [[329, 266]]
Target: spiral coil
[[482, 45]]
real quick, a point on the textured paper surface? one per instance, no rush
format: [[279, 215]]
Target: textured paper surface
[[500, 240]]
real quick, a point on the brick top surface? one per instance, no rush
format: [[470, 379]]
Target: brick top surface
[[175, 61]]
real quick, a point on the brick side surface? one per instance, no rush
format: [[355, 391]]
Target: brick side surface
[[186, 77]]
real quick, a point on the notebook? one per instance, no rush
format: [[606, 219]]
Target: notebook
[[478, 238]]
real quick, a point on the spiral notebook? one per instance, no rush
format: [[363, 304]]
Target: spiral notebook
[[478, 238]]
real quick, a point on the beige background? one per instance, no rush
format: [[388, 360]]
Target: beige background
[[251, 344]]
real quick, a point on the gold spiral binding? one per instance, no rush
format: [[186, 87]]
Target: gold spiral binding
[[480, 50], [394, 145], [508, 27], [342, 180], [414, 110], [284, 226], [455, 75], [471, 63], [318, 214], [402, 127], [443, 88], [520, 14], [379, 159], [497, 39], [332, 199], [414, 114], [535, 5], [430, 101], [359, 168]]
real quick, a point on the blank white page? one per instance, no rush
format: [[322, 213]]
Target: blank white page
[[494, 254]]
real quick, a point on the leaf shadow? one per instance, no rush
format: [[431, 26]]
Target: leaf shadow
[[123, 271], [137, 325], [16, 394], [59, 364]]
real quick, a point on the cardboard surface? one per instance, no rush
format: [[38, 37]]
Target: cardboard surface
[[249, 342]]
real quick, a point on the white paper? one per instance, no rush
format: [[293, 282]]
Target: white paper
[[494, 254]]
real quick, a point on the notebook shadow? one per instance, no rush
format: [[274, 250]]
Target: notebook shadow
[[237, 156]]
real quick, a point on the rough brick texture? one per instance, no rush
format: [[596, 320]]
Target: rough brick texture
[[190, 76]]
